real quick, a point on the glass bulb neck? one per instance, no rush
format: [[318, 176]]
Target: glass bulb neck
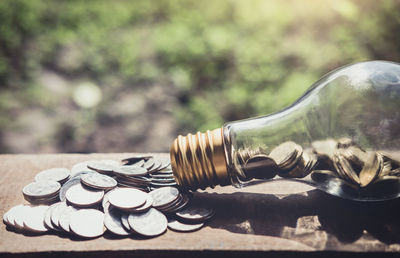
[[198, 161]]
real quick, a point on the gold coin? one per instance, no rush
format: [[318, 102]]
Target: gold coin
[[286, 154], [260, 166], [348, 170], [371, 169]]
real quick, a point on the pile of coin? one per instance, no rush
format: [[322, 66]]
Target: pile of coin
[[98, 196], [357, 167], [326, 159], [286, 160]]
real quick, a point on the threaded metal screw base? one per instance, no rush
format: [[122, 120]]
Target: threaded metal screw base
[[198, 161]]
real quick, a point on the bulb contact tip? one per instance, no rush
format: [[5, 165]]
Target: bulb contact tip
[[198, 161]]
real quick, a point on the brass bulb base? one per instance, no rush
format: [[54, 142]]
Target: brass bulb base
[[198, 161]]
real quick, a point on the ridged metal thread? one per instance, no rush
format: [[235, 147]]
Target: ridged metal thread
[[198, 161]]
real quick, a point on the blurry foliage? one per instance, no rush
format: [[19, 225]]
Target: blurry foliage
[[225, 60]]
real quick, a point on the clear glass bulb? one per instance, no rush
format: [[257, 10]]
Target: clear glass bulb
[[342, 136]]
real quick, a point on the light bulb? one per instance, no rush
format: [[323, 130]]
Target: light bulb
[[341, 136]]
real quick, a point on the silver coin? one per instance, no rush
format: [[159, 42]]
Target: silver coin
[[149, 163], [193, 213], [42, 200], [53, 174], [171, 205], [87, 223], [65, 218], [156, 166], [136, 159], [163, 196], [124, 221], [79, 196], [56, 213], [113, 222], [41, 189], [20, 215], [105, 201], [155, 184], [47, 216], [130, 171], [103, 166], [181, 227], [34, 222], [68, 185], [81, 167], [127, 198], [179, 206], [98, 181], [165, 163], [147, 205], [151, 223], [11, 213]]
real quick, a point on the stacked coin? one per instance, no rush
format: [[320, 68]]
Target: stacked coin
[[93, 201], [287, 160], [357, 167], [144, 173], [169, 199], [26, 218], [42, 192]]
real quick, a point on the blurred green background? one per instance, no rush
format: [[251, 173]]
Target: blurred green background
[[115, 76]]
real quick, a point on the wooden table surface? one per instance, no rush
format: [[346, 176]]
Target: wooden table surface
[[285, 218]]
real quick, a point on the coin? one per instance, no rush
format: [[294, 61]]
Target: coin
[[12, 213], [20, 215], [88, 223], [245, 154], [149, 163], [124, 221], [286, 154], [371, 169], [81, 167], [147, 205], [103, 166], [35, 221], [178, 206], [165, 163], [127, 198], [65, 217], [113, 222], [54, 174], [79, 196], [156, 166], [164, 195], [135, 159], [260, 166], [130, 171], [149, 224], [68, 185], [47, 216], [104, 202], [345, 169], [41, 189], [170, 205], [56, 213], [98, 181], [195, 214], [181, 227]]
